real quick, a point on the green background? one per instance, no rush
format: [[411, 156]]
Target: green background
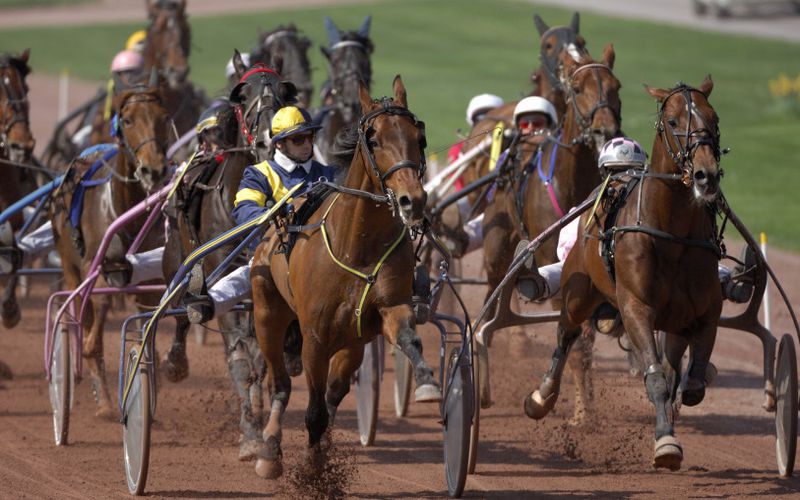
[[450, 50]]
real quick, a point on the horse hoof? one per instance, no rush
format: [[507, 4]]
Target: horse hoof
[[693, 393], [711, 374], [5, 372], [269, 469], [668, 453], [537, 407], [175, 366], [11, 316], [248, 450], [428, 393]]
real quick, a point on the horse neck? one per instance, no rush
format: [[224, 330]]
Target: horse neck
[[576, 167], [363, 229]]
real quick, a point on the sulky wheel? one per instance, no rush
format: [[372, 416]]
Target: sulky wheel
[[136, 424], [367, 388], [476, 414], [402, 382], [457, 416], [786, 410], [61, 384]]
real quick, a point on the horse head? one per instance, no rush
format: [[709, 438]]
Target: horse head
[[16, 139], [259, 93], [688, 135], [287, 48], [555, 40], [143, 133], [168, 40], [348, 55], [592, 93], [391, 142]]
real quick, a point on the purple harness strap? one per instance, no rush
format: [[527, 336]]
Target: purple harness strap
[[548, 180]]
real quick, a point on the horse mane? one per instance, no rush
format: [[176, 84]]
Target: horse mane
[[345, 145]]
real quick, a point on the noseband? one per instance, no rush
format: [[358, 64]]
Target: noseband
[[683, 154], [585, 121]]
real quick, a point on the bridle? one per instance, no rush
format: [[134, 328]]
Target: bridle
[[295, 58], [18, 105], [364, 131], [361, 70], [683, 152], [132, 151], [585, 120], [266, 78], [174, 29]]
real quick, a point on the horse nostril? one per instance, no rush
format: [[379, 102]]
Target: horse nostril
[[405, 202], [700, 177]]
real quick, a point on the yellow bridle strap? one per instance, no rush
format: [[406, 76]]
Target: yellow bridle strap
[[261, 219], [178, 179], [369, 278]]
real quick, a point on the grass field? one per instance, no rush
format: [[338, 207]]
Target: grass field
[[450, 50]]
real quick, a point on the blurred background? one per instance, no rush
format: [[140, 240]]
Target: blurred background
[[449, 50]]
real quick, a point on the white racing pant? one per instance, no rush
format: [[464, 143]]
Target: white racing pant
[[231, 289]]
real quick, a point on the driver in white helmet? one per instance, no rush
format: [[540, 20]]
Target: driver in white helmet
[[620, 153], [535, 119]]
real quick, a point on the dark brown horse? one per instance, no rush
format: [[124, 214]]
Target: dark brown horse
[[291, 47], [16, 145], [663, 273], [532, 196], [204, 203], [349, 64], [139, 166], [339, 311]]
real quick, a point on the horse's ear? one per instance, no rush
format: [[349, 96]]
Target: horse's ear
[[707, 86], [658, 94], [25, 55], [238, 63], [333, 32], [364, 29], [400, 96], [609, 55], [152, 8], [153, 83], [276, 63], [575, 23], [364, 97], [540, 24]]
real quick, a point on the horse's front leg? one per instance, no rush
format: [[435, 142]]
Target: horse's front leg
[[94, 355], [398, 328], [343, 365], [10, 308], [700, 372]]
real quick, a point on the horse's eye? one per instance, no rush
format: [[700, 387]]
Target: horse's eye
[[127, 122], [672, 122]]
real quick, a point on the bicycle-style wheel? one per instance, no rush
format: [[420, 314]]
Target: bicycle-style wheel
[[457, 418], [61, 384], [367, 389], [136, 425], [786, 406], [402, 382]]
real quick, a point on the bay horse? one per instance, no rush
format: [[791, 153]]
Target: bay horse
[[663, 272], [16, 146], [204, 204], [349, 64], [343, 304], [553, 178], [287, 43], [139, 167]]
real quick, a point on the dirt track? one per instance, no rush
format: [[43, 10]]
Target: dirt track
[[728, 440]]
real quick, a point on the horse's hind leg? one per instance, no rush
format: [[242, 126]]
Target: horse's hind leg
[[398, 328], [701, 344], [95, 360], [10, 309], [175, 364], [246, 367], [539, 403]]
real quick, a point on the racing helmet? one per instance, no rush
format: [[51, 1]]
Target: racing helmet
[[127, 60], [621, 152], [291, 120], [136, 41], [536, 104], [482, 103]]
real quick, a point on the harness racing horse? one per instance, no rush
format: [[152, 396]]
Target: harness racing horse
[[286, 48], [204, 203], [16, 146], [349, 276], [349, 65], [659, 240], [139, 167], [551, 180], [547, 84]]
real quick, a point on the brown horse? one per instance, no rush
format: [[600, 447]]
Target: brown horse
[[16, 145], [140, 165], [663, 273], [291, 47], [339, 311], [531, 197]]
